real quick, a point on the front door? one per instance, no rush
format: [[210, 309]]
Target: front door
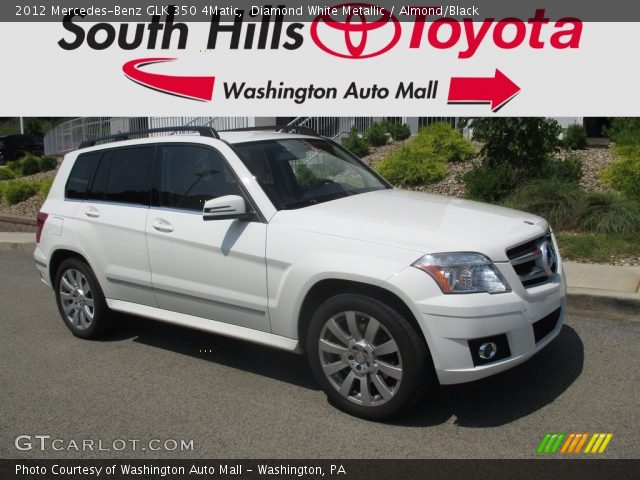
[[210, 269]]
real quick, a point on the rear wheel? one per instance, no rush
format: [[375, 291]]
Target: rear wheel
[[80, 299], [368, 358]]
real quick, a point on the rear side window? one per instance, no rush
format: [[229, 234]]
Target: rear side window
[[124, 176], [191, 175], [81, 175]]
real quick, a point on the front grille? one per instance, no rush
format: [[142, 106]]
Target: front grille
[[545, 326], [534, 261]]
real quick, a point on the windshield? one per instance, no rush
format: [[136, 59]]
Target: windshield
[[296, 173]]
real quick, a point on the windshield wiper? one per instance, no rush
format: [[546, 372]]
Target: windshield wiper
[[299, 204], [313, 201]]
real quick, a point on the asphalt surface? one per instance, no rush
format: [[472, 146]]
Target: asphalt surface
[[237, 400]]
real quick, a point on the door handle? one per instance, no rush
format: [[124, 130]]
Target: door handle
[[162, 225], [92, 212]]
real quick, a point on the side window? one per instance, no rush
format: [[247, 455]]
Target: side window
[[81, 175], [129, 176], [191, 175], [98, 189]]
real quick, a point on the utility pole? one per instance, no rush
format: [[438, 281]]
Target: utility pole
[[21, 126]]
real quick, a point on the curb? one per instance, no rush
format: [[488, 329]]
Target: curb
[[624, 306], [19, 220], [27, 247]]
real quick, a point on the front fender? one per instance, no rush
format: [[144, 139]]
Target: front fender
[[297, 263]]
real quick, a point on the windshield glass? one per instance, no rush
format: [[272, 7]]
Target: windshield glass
[[296, 173]]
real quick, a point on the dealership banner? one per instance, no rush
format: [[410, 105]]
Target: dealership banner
[[320, 58]]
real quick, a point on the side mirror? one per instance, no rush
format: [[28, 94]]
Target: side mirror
[[226, 208]]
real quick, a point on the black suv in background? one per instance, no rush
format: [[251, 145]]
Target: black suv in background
[[12, 147]]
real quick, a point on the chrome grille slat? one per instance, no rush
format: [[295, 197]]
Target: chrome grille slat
[[533, 275], [534, 261], [527, 257]]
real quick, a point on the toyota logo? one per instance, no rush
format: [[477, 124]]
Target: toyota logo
[[548, 258], [357, 36]]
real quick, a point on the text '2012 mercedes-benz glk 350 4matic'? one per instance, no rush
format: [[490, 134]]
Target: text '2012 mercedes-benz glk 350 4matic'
[[289, 240]]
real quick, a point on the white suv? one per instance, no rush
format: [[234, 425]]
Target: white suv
[[290, 241]]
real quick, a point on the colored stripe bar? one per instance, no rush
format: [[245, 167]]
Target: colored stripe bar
[[591, 442], [574, 443], [599, 440], [567, 443], [556, 446], [543, 443], [582, 441], [605, 443], [550, 443]]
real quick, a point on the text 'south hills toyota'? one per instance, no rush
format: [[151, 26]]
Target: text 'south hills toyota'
[[289, 240]]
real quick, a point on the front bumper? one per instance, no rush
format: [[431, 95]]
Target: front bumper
[[450, 322]]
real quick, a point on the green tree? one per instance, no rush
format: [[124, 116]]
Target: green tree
[[526, 144]]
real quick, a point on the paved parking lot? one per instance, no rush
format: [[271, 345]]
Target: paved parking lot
[[155, 381]]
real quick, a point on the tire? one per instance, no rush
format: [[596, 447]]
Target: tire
[[370, 361], [80, 300]]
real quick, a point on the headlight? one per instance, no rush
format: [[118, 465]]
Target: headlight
[[463, 272]]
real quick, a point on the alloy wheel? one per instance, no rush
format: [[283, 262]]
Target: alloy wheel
[[77, 299], [360, 358]]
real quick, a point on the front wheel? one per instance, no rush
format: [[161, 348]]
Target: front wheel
[[368, 358]]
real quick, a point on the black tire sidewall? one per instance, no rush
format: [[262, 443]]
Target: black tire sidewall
[[100, 312], [415, 378]]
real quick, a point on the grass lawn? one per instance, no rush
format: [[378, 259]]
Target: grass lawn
[[597, 248]]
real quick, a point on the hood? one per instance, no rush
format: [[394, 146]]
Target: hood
[[418, 221]]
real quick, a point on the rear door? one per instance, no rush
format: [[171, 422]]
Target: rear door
[[210, 269], [111, 223]]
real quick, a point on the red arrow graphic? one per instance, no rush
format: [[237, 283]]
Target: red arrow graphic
[[195, 88], [497, 90]]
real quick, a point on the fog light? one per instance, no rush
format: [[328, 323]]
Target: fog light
[[487, 350]]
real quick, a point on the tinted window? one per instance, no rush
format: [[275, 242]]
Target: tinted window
[[129, 177], [191, 175], [81, 175], [98, 189]]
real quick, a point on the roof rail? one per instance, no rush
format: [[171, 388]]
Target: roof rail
[[278, 128], [203, 131]]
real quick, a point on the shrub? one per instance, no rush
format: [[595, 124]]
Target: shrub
[[7, 174], [624, 130], [525, 143], [609, 212], [29, 165], [18, 191], [624, 173], [15, 166], [398, 131], [445, 141], [575, 137], [567, 170], [47, 163], [377, 134], [408, 167], [489, 183], [561, 204], [355, 143]]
